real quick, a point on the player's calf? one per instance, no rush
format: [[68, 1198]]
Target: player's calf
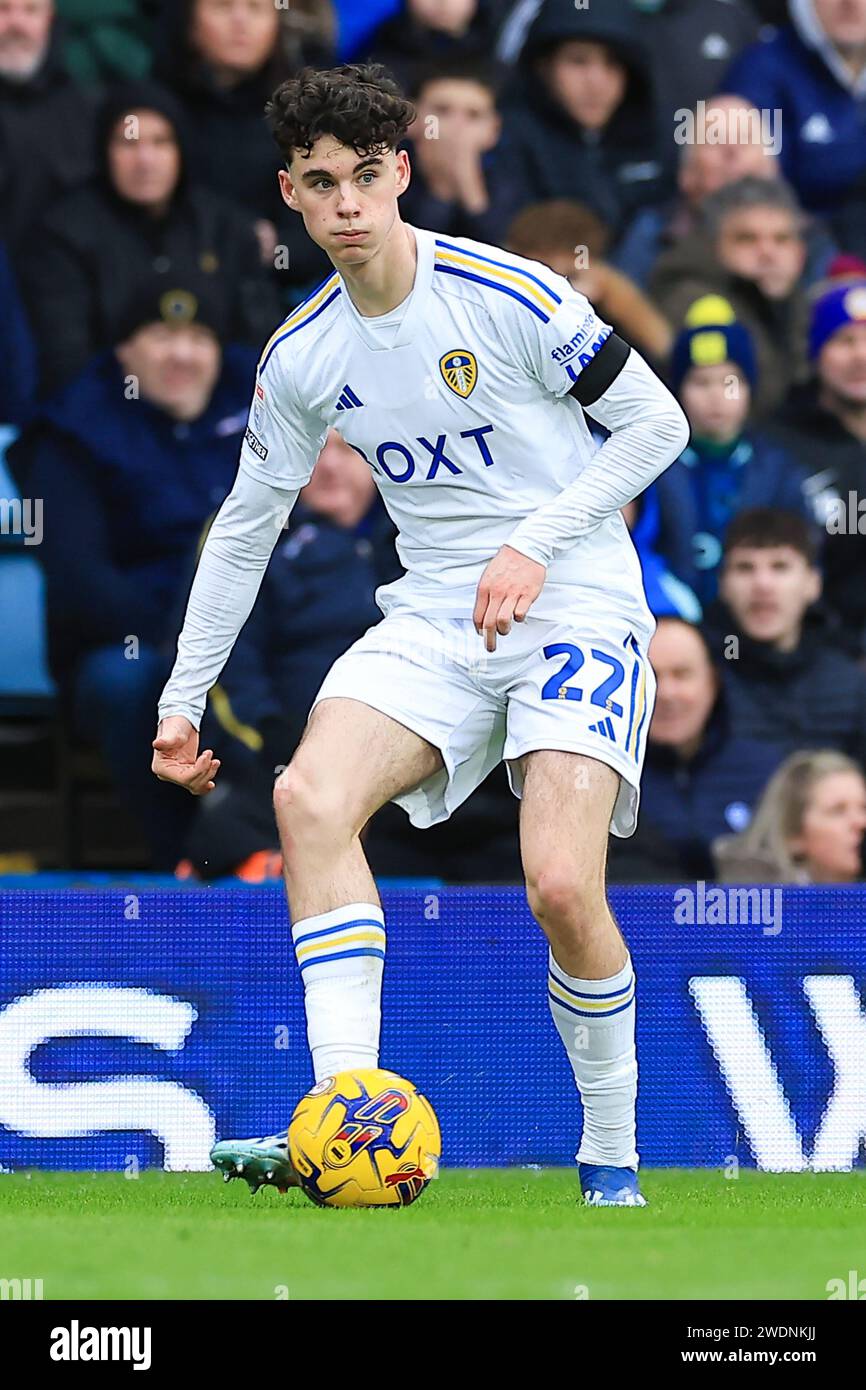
[[565, 817]]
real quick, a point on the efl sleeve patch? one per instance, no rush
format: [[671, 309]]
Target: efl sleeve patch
[[282, 441]]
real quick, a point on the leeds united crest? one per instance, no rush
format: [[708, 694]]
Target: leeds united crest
[[459, 372]]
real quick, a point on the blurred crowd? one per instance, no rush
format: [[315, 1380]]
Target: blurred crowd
[[697, 168]]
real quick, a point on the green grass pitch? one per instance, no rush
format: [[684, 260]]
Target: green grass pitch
[[474, 1234]]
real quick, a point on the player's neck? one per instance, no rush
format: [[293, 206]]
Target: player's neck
[[387, 278]]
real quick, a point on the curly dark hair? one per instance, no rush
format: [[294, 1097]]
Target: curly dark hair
[[360, 104]]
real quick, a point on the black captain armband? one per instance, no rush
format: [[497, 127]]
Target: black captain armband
[[602, 371]]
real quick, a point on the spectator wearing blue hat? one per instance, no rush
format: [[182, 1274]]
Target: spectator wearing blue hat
[[726, 466], [824, 427]]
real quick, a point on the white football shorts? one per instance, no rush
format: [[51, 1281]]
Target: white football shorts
[[574, 685]]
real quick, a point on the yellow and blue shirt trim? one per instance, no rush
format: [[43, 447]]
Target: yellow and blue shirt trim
[[305, 313], [520, 284]]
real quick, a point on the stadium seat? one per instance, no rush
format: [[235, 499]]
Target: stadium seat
[[25, 682]]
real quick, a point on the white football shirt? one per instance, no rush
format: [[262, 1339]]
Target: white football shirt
[[458, 400]]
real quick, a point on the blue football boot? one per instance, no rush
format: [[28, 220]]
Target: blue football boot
[[609, 1187]]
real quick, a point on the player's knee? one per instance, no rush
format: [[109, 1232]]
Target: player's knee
[[562, 900], [306, 807]]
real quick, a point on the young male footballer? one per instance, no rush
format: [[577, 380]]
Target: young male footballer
[[461, 374]]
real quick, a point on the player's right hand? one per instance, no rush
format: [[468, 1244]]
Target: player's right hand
[[176, 757]]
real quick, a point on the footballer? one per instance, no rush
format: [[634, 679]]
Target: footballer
[[462, 374]]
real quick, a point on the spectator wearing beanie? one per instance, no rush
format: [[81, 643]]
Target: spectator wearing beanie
[[130, 458], [824, 426], [585, 125], [46, 122], [786, 679], [142, 215], [813, 70], [751, 252], [727, 466]]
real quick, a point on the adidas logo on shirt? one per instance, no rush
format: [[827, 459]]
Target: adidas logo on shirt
[[348, 400]]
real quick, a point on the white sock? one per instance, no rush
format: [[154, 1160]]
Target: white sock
[[342, 955], [595, 1019]]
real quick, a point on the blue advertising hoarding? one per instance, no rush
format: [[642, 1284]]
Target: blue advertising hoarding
[[135, 1028]]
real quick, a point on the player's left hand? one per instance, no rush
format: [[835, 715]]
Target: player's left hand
[[506, 591]]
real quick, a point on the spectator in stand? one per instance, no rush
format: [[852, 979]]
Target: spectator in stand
[[104, 40], [723, 141], [726, 467], [426, 32], [17, 351], [692, 43], [786, 680], [808, 826], [753, 254], [357, 23], [813, 70], [824, 427], [700, 779], [667, 596], [130, 459], [142, 215], [456, 186], [848, 221], [46, 121], [572, 240], [774, 12], [586, 124], [317, 598], [224, 61]]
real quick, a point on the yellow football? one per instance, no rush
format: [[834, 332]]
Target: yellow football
[[364, 1138]]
